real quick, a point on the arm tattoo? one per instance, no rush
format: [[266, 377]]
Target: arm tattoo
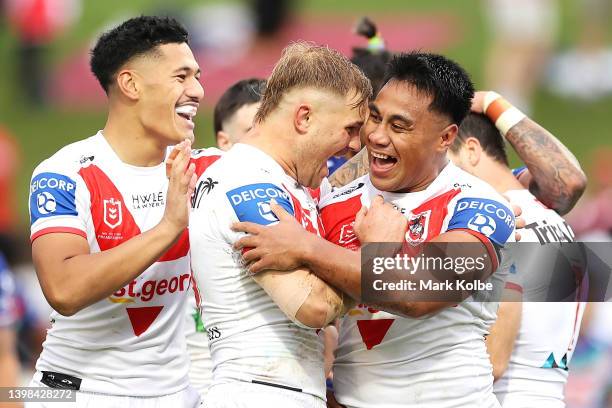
[[557, 179], [356, 167]]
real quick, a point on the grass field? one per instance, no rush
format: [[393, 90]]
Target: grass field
[[41, 132]]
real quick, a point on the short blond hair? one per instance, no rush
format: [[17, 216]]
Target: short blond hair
[[305, 65]]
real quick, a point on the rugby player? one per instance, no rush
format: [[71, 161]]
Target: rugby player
[[531, 344], [234, 113], [108, 232], [383, 359], [264, 349], [551, 171]]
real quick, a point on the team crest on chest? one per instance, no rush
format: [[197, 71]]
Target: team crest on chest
[[112, 213], [418, 225]]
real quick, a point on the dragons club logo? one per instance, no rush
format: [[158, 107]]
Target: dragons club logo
[[418, 224]]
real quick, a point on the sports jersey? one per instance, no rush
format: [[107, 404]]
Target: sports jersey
[[131, 343], [200, 367], [438, 361], [538, 366], [251, 339]]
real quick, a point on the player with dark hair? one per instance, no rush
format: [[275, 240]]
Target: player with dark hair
[[551, 172], [234, 113], [530, 344], [383, 359], [108, 228]]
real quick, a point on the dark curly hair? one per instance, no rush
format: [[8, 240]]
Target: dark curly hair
[[448, 84], [134, 37]]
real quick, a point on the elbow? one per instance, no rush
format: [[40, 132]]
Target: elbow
[[313, 314], [62, 302], [499, 368], [575, 187]]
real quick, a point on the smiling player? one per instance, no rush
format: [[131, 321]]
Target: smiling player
[[109, 239]]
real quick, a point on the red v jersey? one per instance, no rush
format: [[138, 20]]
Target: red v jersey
[[85, 189], [419, 357]]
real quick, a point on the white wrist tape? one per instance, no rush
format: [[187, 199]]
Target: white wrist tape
[[501, 112]]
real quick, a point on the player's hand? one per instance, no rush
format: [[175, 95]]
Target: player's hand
[[180, 188], [380, 223], [275, 247], [478, 102], [331, 401]]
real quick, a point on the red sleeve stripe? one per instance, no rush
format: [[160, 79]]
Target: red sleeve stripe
[[487, 243], [52, 230], [513, 286]]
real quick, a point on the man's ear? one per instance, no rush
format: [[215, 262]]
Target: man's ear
[[127, 84], [302, 119], [224, 141], [447, 136], [473, 151]]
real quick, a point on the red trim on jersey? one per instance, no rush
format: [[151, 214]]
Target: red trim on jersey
[[202, 163], [52, 230], [337, 219], [315, 193], [104, 192], [196, 291], [301, 216], [487, 243], [514, 286], [178, 250], [575, 333], [439, 210]]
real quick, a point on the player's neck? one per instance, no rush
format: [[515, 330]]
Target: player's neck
[[269, 141], [500, 177], [131, 144]]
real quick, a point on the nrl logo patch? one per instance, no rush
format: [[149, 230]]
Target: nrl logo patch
[[112, 213]]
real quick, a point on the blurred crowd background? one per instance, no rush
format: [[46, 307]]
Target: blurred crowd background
[[551, 58]]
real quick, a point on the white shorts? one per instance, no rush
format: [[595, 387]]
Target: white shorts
[[248, 395], [186, 398]]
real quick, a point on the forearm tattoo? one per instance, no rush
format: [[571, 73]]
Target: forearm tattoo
[[553, 168]]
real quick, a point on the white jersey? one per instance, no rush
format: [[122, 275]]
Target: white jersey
[[440, 361], [538, 367], [251, 339], [132, 342], [200, 363]]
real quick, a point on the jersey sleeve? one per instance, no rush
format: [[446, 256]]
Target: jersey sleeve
[[338, 220], [251, 202], [59, 200], [489, 220], [203, 158]]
